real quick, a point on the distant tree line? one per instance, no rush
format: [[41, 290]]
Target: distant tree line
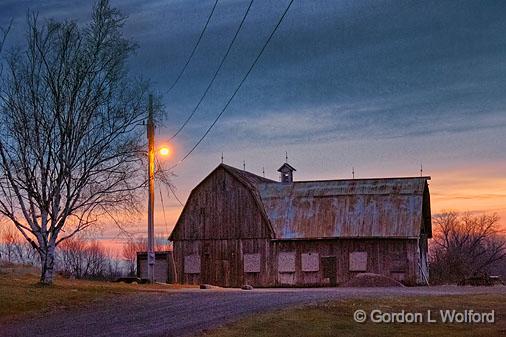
[[87, 259], [79, 257], [14, 249], [466, 245]]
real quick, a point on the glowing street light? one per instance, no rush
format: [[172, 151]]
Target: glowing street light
[[165, 151]]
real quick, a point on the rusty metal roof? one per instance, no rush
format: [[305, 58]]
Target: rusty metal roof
[[354, 208], [385, 207]]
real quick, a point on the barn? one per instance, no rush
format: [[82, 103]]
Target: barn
[[239, 228]]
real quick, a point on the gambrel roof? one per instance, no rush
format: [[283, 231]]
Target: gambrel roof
[[350, 208]]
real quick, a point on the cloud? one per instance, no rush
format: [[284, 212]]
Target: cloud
[[385, 84]]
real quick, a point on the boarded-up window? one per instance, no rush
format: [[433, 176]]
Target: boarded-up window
[[358, 261], [310, 262], [192, 264], [251, 263], [286, 278], [286, 262]]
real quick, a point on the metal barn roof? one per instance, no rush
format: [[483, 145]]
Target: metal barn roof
[[357, 208], [345, 208]]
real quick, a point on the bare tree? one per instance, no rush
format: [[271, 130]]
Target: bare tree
[[69, 131], [4, 32], [114, 267], [71, 257], [465, 245], [81, 258], [14, 248], [130, 249]]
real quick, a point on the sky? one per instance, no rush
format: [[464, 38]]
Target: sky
[[378, 86]]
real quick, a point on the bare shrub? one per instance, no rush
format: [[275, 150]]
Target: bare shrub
[[465, 245], [83, 259]]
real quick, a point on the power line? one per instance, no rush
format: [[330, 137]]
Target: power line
[[215, 73], [238, 87], [175, 195], [194, 48], [163, 209], [170, 187]]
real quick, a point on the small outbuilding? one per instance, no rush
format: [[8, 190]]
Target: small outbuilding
[[164, 266], [239, 228]]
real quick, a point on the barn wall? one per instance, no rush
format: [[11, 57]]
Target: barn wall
[[396, 258], [222, 261], [221, 220], [422, 256], [222, 208]]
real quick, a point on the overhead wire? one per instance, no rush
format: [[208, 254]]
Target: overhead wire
[[238, 87], [171, 188], [215, 73], [194, 48], [163, 211]]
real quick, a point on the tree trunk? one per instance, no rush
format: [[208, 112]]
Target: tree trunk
[[47, 265]]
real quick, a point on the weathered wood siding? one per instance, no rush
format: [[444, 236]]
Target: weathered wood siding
[[222, 261], [219, 222], [396, 258], [220, 208]]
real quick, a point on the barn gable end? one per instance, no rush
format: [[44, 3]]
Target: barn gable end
[[223, 206]]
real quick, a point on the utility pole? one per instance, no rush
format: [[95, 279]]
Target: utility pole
[[151, 198]]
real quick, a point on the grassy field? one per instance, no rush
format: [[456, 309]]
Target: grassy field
[[336, 319], [21, 294]]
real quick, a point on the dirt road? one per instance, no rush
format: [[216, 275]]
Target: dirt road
[[186, 312]]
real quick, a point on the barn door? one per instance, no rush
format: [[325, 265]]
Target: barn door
[[222, 273], [206, 266], [329, 269]]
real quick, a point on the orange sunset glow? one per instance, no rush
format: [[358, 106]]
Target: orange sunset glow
[[480, 189]]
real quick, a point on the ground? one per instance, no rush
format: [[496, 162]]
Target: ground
[[21, 295], [336, 318], [121, 310]]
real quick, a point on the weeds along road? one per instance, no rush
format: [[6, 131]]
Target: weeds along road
[[187, 312]]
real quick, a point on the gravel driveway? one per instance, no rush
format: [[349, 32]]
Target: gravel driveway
[[186, 312]]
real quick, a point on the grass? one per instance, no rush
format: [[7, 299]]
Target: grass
[[336, 319], [21, 295]]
